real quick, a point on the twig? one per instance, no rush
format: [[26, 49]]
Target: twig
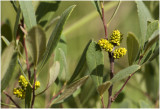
[[55, 96], [25, 48], [103, 19], [115, 96], [11, 99], [33, 99], [102, 101], [111, 76]]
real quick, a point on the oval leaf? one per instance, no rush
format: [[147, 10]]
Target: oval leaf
[[95, 62], [60, 55], [70, 89], [80, 63], [55, 36], [132, 47], [9, 61], [28, 13], [54, 71], [155, 54], [125, 73], [154, 38], [103, 87], [144, 16], [151, 28], [36, 43]]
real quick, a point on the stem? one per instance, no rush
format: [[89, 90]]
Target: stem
[[103, 19], [102, 101], [55, 96], [25, 48], [111, 76], [115, 96], [34, 88], [11, 99]]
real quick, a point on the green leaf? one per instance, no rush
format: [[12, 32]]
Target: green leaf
[[144, 16], [95, 62], [155, 54], [45, 11], [132, 48], [5, 40], [97, 6], [143, 104], [9, 61], [103, 87], [28, 13], [80, 63], [146, 57], [54, 71], [70, 89], [125, 73], [152, 27], [17, 22], [152, 40], [60, 55], [36, 43], [55, 36]]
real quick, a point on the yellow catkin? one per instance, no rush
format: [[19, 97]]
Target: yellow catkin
[[118, 53], [37, 84], [116, 38], [19, 92], [22, 81], [106, 45]]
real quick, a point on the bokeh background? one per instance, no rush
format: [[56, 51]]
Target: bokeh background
[[85, 24]]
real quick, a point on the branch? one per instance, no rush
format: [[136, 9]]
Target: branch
[[11, 99], [55, 96], [103, 20], [25, 48], [115, 96]]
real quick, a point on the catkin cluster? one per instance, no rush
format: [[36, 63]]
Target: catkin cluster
[[114, 40], [20, 91]]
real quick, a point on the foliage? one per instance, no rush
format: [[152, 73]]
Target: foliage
[[42, 43]]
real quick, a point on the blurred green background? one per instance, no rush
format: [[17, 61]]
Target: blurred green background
[[85, 24]]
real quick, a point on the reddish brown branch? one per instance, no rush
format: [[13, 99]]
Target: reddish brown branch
[[55, 96], [25, 48], [11, 99], [115, 96]]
